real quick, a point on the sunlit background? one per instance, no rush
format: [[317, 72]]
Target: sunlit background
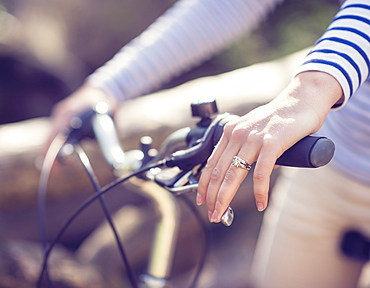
[[47, 47]]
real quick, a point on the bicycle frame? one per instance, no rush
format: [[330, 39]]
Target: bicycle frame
[[165, 236]]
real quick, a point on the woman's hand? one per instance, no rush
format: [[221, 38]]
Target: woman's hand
[[82, 99], [261, 136]]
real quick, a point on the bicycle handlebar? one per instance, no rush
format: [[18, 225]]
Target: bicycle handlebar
[[188, 148], [309, 152]]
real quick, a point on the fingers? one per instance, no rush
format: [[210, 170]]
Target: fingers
[[218, 201], [58, 123], [85, 97], [261, 176], [224, 181], [221, 178]]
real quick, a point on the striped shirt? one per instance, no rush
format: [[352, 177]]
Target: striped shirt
[[192, 31], [343, 51]]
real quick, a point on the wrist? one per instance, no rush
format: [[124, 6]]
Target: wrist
[[315, 92], [326, 88]]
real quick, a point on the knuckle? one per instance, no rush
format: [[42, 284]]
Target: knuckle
[[269, 139], [202, 188], [229, 128], [210, 164], [216, 174], [210, 202], [239, 133], [253, 137], [259, 196], [221, 202], [259, 176], [270, 143], [230, 176]]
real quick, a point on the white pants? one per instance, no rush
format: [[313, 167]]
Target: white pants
[[303, 226]]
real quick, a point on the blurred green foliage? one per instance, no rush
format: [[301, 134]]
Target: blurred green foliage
[[69, 39], [294, 25]]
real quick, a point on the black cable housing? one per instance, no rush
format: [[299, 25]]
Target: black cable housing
[[47, 164], [94, 181], [85, 205]]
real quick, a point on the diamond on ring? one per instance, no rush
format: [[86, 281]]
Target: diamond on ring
[[241, 163]]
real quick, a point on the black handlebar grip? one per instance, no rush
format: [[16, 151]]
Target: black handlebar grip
[[309, 152]]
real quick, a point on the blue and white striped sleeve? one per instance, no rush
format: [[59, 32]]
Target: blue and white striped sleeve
[[186, 35], [344, 49]]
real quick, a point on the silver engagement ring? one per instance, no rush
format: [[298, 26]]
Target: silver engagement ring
[[241, 163]]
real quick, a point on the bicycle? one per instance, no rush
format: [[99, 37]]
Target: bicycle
[[174, 170]]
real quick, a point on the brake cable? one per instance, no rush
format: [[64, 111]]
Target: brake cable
[[47, 164], [85, 205], [94, 181]]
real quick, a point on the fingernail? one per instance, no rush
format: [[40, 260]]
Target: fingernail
[[214, 217], [199, 200], [260, 206], [210, 216]]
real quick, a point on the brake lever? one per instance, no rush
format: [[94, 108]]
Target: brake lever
[[228, 216], [187, 183], [200, 152]]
